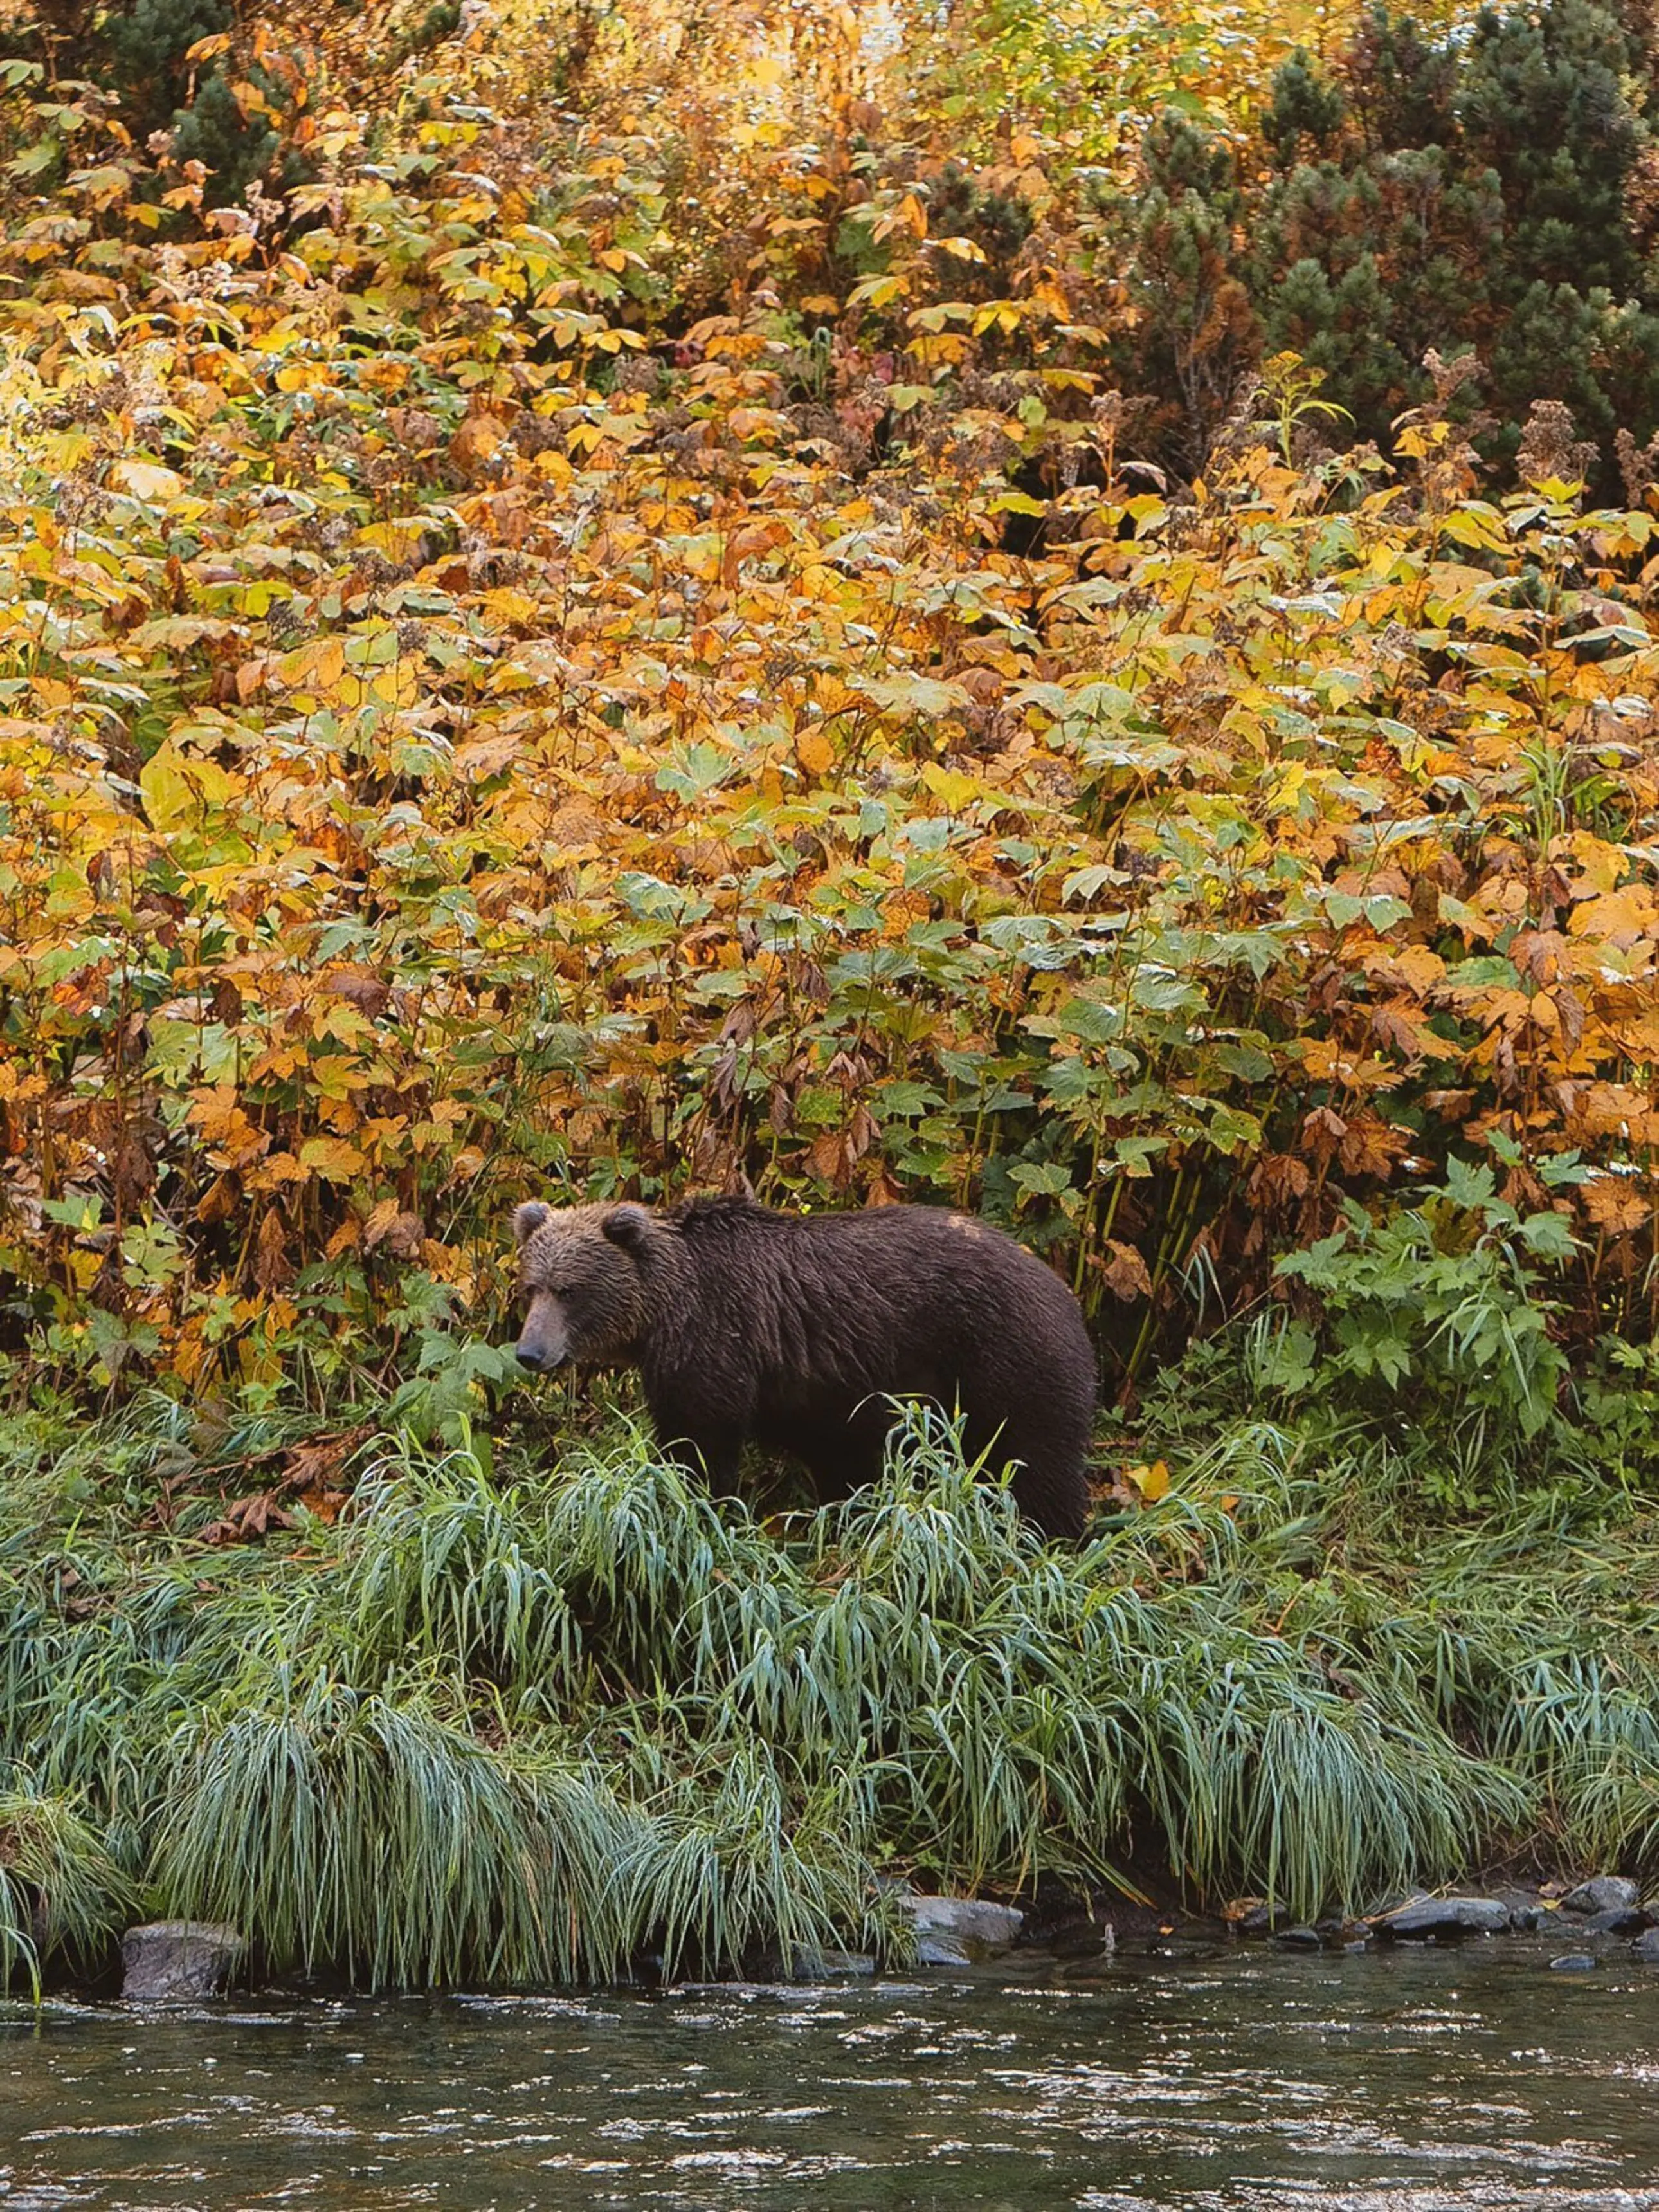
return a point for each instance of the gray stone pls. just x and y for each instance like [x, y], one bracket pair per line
[1573, 1962]
[1628, 1920]
[973, 1919]
[1646, 1948]
[1447, 1916]
[1300, 1939]
[820, 1966]
[178, 1961]
[961, 1931]
[1604, 1893]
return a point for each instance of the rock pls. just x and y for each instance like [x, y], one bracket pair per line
[972, 1919]
[1300, 1939]
[1446, 1916]
[1604, 1893]
[178, 1961]
[1531, 1917]
[961, 1931]
[806, 1965]
[1646, 1948]
[942, 1951]
[1573, 1962]
[1627, 1920]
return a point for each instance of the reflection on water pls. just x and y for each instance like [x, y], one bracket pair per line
[1410, 2081]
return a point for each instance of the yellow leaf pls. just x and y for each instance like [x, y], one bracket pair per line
[380, 1220]
[318, 666]
[815, 752]
[399, 539]
[281, 1167]
[1152, 1482]
[505, 604]
[331, 1158]
[949, 784]
[147, 480]
[1621, 917]
[178, 788]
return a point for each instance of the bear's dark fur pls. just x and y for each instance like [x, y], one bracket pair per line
[793, 1330]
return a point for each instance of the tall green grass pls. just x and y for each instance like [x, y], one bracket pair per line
[536, 1726]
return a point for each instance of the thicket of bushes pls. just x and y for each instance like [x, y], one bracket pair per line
[467, 730]
[464, 734]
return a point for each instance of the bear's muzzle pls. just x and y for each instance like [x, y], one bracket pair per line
[544, 1341]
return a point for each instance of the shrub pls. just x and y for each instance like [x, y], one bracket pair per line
[214, 131]
[1431, 1317]
[1194, 330]
[1472, 191]
[146, 42]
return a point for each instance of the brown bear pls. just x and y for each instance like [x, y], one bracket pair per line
[795, 1330]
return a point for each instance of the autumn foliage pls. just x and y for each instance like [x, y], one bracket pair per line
[578, 639]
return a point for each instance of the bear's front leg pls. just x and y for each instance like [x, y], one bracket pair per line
[710, 1449]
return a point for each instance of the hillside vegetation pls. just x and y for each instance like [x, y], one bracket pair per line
[1042, 606]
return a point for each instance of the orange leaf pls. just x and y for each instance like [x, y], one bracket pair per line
[1125, 1272]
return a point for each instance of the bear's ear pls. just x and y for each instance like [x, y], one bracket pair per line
[628, 1226]
[527, 1218]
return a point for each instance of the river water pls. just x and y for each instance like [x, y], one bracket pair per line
[1404, 2081]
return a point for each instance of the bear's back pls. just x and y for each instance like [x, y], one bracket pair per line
[863, 1294]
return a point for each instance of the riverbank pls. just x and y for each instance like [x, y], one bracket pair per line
[419, 1718]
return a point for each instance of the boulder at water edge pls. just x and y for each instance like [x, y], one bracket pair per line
[1626, 1920]
[1603, 1893]
[960, 1931]
[1446, 1916]
[178, 1961]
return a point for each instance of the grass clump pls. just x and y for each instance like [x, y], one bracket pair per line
[375, 1834]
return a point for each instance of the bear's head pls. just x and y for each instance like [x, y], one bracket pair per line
[581, 1282]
